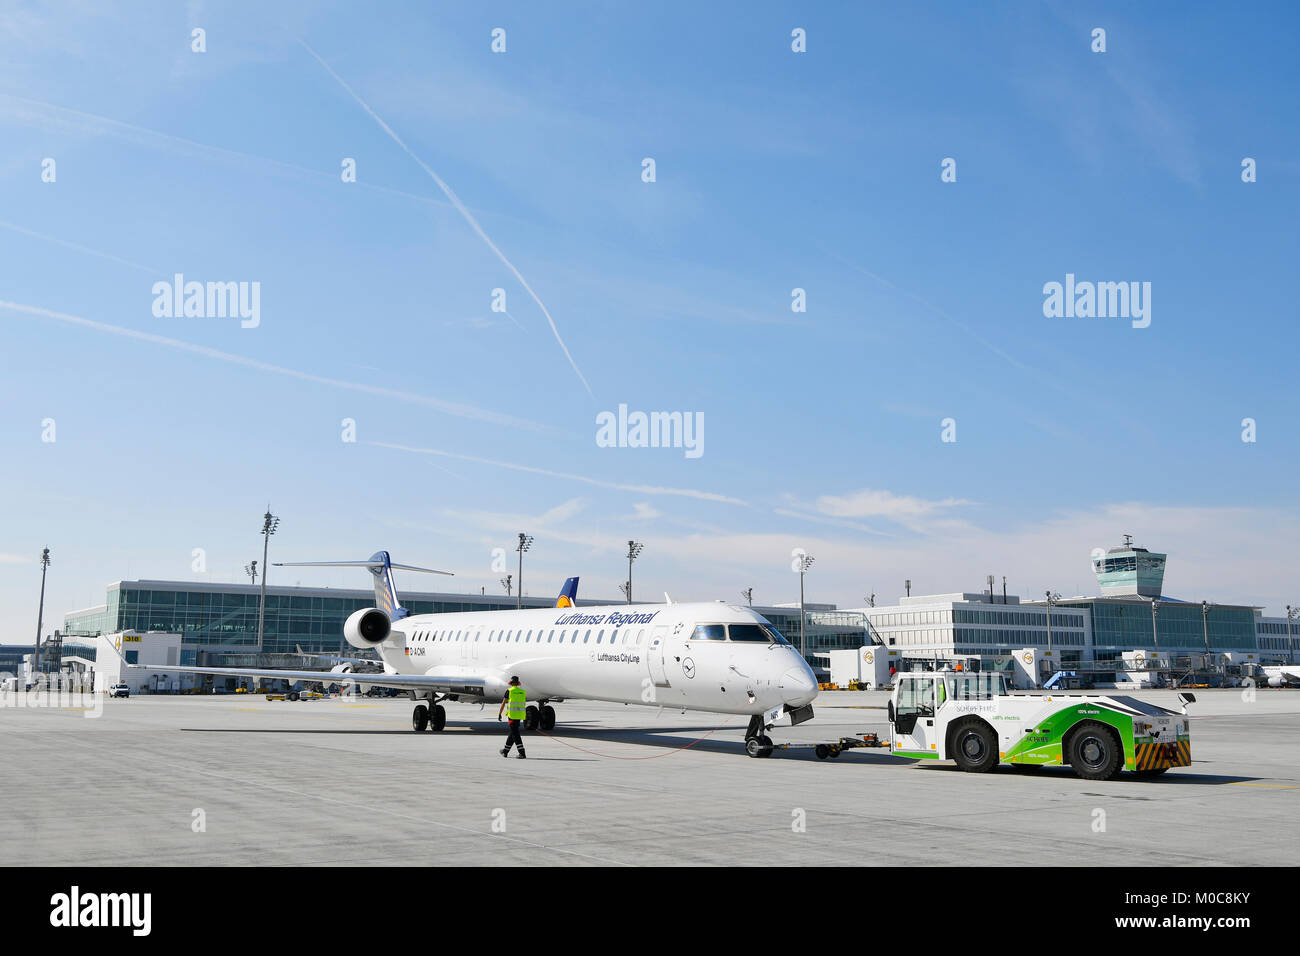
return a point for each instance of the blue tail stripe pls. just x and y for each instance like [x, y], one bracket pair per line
[385, 591]
[568, 596]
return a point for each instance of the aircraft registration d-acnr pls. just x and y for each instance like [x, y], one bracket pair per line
[712, 657]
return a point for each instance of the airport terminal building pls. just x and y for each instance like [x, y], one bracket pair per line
[217, 623]
[1131, 613]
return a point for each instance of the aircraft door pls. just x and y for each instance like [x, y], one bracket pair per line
[654, 655]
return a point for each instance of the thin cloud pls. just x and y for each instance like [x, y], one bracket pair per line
[451, 408]
[640, 489]
[817, 519]
[871, 502]
[460, 207]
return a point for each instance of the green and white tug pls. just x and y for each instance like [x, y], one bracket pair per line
[974, 720]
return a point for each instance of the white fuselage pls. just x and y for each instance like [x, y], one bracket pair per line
[1282, 676]
[634, 654]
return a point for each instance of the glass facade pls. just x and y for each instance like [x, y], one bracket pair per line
[1273, 636]
[224, 617]
[1127, 625]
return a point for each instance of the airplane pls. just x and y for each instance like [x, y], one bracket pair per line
[712, 657]
[1282, 676]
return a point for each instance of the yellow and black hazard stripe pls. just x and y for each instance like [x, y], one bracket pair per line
[1153, 756]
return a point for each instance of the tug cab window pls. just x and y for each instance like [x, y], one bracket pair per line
[916, 698]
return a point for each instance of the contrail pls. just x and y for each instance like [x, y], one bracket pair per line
[460, 207]
[450, 408]
[80, 248]
[107, 123]
[640, 489]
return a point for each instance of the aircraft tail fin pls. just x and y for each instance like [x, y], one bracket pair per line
[568, 594]
[381, 567]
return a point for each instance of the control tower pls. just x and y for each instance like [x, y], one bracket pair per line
[1129, 571]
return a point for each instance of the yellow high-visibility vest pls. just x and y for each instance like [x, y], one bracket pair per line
[516, 709]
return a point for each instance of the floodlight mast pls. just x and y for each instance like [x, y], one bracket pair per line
[270, 524]
[633, 552]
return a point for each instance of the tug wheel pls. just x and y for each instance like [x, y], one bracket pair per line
[974, 746]
[1095, 751]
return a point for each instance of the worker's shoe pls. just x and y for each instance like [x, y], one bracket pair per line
[505, 751]
[522, 755]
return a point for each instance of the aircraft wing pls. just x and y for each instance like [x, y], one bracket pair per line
[337, 660]
[449, 684]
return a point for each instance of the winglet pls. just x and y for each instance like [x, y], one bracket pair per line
[568, 594]
[667, 599]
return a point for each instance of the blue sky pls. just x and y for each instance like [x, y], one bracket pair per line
[774, 171]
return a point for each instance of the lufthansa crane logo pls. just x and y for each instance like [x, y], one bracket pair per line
[688, 667]
[1028, 658]
[867, 656]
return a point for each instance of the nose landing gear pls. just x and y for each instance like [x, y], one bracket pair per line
[757, 743]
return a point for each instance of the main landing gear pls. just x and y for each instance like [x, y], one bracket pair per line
[542, 718]
[431, 716]
[757, 743]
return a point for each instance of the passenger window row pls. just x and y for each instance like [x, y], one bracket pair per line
[526, 637]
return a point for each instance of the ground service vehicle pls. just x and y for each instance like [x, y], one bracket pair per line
[972, 719]
[119, 690]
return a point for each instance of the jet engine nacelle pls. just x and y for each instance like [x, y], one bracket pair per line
[367, 627]
[1276, 681]
[341, 669]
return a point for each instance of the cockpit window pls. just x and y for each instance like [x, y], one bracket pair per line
[749, 632]
[776, 635]
[710, 632]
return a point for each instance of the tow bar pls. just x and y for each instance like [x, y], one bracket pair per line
[834, 750]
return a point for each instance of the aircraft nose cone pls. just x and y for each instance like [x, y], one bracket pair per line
[798, 686]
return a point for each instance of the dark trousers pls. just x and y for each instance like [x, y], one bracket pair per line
[514, 737]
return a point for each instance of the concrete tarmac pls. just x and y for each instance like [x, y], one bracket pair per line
[242, 780]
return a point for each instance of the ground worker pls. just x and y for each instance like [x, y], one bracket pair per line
[517, 702]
